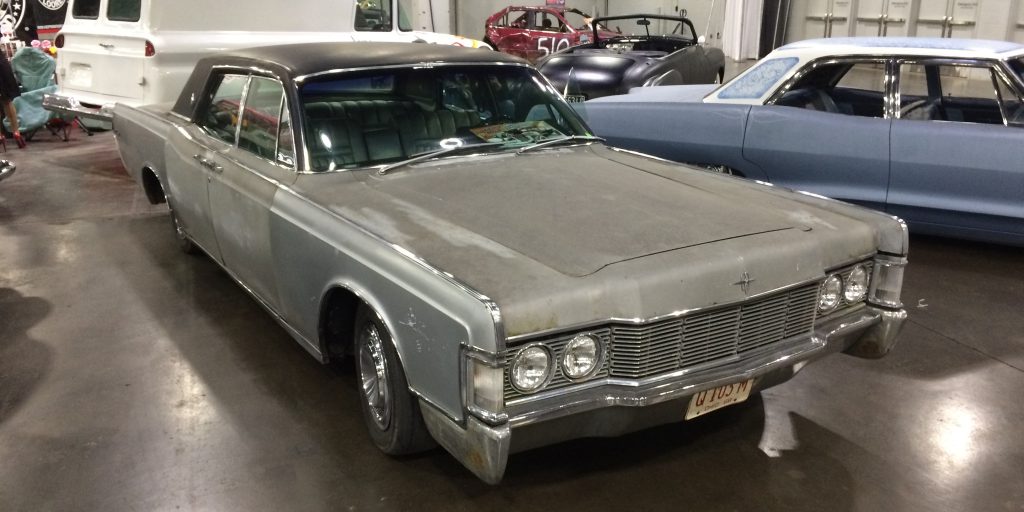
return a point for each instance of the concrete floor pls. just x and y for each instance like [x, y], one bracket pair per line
[133, 377]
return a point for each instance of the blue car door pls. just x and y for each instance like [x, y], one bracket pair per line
[828, 134]
[956, 166]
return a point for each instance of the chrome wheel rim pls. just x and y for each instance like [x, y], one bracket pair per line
[373, 373]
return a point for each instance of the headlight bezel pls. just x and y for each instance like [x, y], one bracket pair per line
[599, 352]
[548, 374]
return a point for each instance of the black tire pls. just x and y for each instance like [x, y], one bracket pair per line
[392, 415]
[184, 243]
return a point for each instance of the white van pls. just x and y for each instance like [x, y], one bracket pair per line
[140, 52]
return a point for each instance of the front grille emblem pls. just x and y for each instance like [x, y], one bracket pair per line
[744, 283]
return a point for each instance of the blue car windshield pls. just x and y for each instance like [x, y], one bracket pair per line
[370, 118]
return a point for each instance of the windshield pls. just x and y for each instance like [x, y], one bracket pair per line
[643, 26]
[361, 119]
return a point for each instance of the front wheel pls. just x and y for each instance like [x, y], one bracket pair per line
[391, 412]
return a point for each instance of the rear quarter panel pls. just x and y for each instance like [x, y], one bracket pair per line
[141, 134]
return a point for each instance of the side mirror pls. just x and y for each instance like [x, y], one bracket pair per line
[702, 40]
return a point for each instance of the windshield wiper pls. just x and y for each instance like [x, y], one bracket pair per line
[555, 142]
[437, 154]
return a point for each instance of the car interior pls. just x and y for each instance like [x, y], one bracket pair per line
[375, 120]
[930, 92]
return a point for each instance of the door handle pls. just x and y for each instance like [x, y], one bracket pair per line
[209, 164]
[107, 46]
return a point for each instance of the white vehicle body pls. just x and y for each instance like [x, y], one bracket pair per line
[103, 61]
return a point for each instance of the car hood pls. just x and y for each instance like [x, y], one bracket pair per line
[592, 232]
[595, 73]
[665, 93]
[571, 210]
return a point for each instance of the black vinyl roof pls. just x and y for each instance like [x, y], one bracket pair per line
[307, 58]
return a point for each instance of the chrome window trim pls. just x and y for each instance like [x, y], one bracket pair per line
[303, 78]
[206, 104]
[995, 67]
[887, 95]
[584, 326]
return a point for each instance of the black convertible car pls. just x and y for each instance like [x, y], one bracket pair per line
[648, 49]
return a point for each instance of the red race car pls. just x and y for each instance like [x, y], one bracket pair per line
[535, 31]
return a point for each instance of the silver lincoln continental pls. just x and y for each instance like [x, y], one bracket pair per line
[502, 279]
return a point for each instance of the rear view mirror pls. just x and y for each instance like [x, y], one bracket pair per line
[643, 23]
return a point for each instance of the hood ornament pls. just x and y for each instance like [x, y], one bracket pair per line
[744, 283]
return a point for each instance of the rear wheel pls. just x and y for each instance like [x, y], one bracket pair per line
[184, 242]
[390, 411]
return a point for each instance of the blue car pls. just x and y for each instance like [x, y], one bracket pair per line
[930, 130]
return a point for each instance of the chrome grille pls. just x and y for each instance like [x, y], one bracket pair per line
[717, 335]
[704, 337]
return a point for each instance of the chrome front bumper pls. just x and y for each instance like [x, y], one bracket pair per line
[7, 168]
[69, 106]
[611, 407]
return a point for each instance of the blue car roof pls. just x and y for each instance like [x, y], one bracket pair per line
[934, 43]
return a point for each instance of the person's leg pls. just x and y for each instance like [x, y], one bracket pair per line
[12, 119]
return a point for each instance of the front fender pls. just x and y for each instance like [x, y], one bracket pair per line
[430, 316]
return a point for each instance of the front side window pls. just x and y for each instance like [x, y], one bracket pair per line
[548, 22]
[373, 16]
[851, 88]
[361, 119]
[948, 92]
[261, 118]
[577, 19]
[124, 10]
[220, 116]
[86, 9]
[1017, 65]
[1013, 104]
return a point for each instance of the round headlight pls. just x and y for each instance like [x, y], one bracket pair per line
[530, 368]
[856, 285]
[831, 291]
[581, 357]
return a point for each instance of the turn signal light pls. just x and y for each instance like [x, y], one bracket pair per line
[59, 41]
[150, 49]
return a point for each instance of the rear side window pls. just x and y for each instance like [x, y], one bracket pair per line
[86, 9]
[124, 10]
[220, 116]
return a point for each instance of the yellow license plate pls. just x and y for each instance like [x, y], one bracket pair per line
[714, 399]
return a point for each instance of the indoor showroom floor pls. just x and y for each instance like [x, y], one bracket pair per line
[135, 377]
